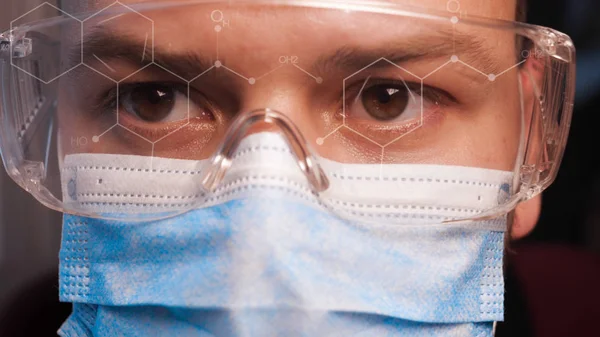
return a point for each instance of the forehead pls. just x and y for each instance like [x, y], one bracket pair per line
[505, 10]
[319, 37]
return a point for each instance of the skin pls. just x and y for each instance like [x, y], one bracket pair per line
[482, 127]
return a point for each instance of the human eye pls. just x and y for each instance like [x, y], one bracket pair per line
[156, 102]
[153, 102]
[393, 103]
[378, 112]
[153, 110]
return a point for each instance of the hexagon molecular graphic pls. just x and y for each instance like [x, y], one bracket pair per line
[49, 51]
[86, 115]
[117, 41]
[358, 87]
[171, 102]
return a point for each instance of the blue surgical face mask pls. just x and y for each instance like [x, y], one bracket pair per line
[266, 257]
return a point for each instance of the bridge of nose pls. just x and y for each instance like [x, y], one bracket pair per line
[285, 133]
[293, 97]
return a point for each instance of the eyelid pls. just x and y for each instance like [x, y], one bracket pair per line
[108, 100]
[177, 86]
[435, 95]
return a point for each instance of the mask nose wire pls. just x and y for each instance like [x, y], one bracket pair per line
[222, 159]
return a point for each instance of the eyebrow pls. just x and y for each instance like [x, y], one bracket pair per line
[106, 46]
[468, 48]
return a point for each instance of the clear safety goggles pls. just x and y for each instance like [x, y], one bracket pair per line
[352, 82]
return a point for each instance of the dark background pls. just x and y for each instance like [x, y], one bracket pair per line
[30, 234]
[571, 206]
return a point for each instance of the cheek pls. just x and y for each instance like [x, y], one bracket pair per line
[505, 126]
[494, 137]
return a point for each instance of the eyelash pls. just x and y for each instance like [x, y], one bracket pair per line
[435, 95]
[110, 98]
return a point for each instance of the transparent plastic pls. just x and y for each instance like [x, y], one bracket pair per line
[382, 84]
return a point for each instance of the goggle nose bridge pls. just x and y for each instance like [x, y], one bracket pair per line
[222, 159]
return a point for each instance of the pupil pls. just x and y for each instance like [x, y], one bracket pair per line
[385, 102]
[384, 96]
[152, 102]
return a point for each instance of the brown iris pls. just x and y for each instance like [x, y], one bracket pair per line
[149, 102]
[385, 102]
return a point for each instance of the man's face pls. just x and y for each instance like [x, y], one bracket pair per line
[361, 88]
